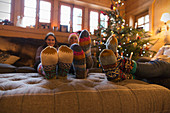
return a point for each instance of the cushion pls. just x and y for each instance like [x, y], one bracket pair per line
[6, 68]
[25, 70]
[11, 59]
[31, 93]
[164, 58]
[144, 59]
[6, 58]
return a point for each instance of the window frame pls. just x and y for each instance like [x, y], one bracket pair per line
[37, 23]
[102, 20]
[95, 10]
[142, 15]
[12, 11]
[50, 11]
[71, 14]
[51, 16]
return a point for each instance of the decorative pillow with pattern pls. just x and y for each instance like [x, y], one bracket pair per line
[6, 58]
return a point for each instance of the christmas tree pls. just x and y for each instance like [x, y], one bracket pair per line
[130, 40]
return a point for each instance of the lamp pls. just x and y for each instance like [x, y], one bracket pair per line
[165, 17]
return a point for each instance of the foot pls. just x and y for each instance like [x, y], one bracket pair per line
[49, 60]
[65, 59]
[111, 66]
[127, 65]
[85, 43]
[112, 44]
[79, 61]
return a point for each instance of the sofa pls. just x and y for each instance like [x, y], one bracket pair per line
[29, 92]
[23, 90]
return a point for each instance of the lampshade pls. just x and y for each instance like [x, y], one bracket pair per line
[165, 17]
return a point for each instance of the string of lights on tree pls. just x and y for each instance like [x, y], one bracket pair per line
[129, 39]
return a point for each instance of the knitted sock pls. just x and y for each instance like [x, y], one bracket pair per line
[65, 59]
[49, 60]
[79, 61]
[127, 65]
[112, 44]
[40, 69]
[110, 65]
[85, 43]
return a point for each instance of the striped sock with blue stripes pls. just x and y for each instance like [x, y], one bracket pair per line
[79, 61]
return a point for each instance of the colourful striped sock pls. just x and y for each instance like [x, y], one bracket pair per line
[127, 65]
[109, 63]
[79, 61]
[112, 44]
[85, 43]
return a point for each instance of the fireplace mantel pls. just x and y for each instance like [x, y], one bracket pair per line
[14, 31]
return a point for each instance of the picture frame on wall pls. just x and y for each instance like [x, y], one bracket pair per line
[63, 28]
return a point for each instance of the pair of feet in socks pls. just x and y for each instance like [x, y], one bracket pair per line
[82, 55]
[53, 61]
[116, 68]
[78, 55]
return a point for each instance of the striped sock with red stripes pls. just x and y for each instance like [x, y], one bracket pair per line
[79, 61]
[85, 43]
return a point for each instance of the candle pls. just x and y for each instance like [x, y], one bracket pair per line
[131, 55]
[121, 54]
[94, 42]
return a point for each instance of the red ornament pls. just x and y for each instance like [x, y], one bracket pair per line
[111, 7]
[146, 48]
[140, 51]
[138, 37]
[103, 12]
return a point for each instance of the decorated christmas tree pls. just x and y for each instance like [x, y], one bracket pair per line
[130, 40]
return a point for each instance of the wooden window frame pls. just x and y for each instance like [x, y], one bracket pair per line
[141, 15]
[98, 11]
[12, 10]
[38, 17]
[37, 23]
[71, 15]
[103, 21]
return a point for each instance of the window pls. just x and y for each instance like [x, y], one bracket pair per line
[65, 15]
[77, 19]
[71, 16]
[93, 21]
[143, 22]
[5, 9]
[35, 11]
[29, 12]
[45, 12]
[103, 20]
[95, 18]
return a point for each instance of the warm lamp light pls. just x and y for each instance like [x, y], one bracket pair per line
[165, 17]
